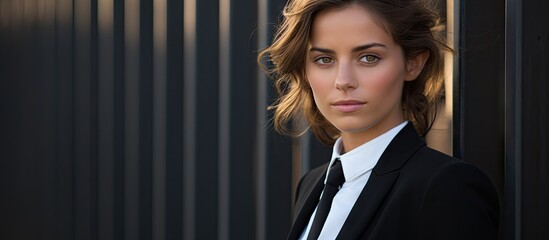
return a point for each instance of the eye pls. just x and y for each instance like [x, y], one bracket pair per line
[324, 60]
[369, 59]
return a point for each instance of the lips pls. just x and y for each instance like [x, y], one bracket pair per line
[348, 106]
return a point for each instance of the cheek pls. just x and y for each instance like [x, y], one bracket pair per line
[385, 84]
[320, 83]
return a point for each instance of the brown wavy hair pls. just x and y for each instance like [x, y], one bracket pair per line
[414, 25]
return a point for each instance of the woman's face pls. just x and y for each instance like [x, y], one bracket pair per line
[356, 72]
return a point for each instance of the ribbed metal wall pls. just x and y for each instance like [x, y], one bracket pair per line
[146, 119]
[140, 119]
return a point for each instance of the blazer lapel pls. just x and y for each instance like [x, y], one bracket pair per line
[381, 181]
[366, 205]
[306, 203]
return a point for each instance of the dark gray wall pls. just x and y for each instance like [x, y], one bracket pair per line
[502, 106]
[530, 67]
[139, 119]
[145, 119]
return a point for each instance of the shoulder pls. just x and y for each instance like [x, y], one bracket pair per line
[436, 164]
[457, 195]
[450, 175]
[455, 177]
[439, 170]
[428, 156]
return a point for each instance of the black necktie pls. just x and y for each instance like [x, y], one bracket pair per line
[333, 183]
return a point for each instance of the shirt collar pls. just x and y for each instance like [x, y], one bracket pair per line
[363, 158]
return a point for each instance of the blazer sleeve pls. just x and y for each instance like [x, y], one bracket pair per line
[459, 202]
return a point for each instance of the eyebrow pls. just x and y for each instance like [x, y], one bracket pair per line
[355, 49]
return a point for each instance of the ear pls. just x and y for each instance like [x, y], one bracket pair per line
[414, 65]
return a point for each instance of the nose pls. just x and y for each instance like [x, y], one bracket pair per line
[345, 79]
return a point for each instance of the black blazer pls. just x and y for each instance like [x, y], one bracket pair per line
[414, 192]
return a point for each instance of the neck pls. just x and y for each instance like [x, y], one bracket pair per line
[352, 140]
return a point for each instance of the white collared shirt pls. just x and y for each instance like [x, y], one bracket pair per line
[357, 167]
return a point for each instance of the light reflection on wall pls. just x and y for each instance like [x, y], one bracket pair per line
[224, 106]
[189, 41]
[440, 137]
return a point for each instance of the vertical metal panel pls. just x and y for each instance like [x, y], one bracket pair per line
[7, 146]
[189, 120]
[119, 114]
[174, 122]
[145, 117]
[513, 125]
[159, 127]
[64, 128]
[206, 118]
[533, 45]
[94, 118]
[224, 114]
[456, 90]
[238, 111]
[273, 152]
[105, 112]
[131, 119]
[45, 25]
[84, 125]
[261, 129]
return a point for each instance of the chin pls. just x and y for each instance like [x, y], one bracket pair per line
[355, 128]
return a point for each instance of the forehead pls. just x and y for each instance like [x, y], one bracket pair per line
[350, 22]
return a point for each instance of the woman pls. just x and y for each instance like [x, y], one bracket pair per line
[365, 75]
